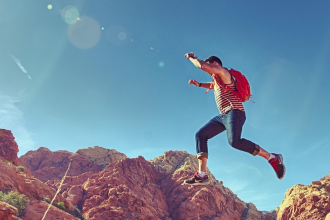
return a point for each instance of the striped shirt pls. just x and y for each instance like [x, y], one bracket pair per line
[226, 100]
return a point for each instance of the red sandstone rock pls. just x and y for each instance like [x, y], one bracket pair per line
[72, 188]
[8, 212]
[188, 202]
[36, 210]
[47, 165]
[33, 159]
[9, 148]
[101, 156]
[138, 189]
[311, 202]
[125, 189]
[13, 180]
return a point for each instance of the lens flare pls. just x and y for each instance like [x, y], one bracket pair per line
[54, 8]
[122, 36]
[116, 34]
[70, 14]
[85, 33]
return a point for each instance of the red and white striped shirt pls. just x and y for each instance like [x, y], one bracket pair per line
[225, 99]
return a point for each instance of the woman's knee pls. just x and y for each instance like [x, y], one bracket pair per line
[235, 143]
[202, 136]
[244, 145]
[199, 136]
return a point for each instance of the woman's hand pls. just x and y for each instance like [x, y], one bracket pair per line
[191, 54]
[194, 82]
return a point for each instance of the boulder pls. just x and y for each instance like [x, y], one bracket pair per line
[8, 212]
[307, 202]
[9, 148]
[37, 209]
[101, 156]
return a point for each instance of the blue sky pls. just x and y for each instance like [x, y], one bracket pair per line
[76, 74]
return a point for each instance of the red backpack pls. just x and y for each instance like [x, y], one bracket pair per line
[243, 92]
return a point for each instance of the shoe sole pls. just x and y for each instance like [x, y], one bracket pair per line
[198, 184]
[281, 162]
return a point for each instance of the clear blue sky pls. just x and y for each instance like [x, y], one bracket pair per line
[75, 74]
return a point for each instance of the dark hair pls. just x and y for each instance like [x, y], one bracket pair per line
[211, 59]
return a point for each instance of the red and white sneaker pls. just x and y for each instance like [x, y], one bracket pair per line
[197, 180]
[278, 166]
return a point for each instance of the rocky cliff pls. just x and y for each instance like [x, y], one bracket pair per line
[8, 212]
[9, 148]
[47, 165]
[105, 184]
[14, 179]
[140, 189]
[307, 202]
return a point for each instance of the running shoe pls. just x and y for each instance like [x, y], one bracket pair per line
[197, 180]
[278, 166]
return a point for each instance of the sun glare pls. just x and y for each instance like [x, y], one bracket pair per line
[70, 14]
[85, 33]
[116, 34]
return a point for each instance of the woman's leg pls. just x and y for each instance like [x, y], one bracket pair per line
[234, 121]
[208, 131]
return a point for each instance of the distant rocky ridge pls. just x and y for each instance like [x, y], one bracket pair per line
[136, 188]
[47, 165]
[105, 184]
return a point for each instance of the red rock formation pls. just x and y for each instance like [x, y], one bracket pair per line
[188, 202]
[101, 156]
[126, 189]
[140, 189]
[72, 188]
[33, 159]
[8, 212]
[12, 179]
[47, 165]
[9, 148]
[311, 202]
[36, 210]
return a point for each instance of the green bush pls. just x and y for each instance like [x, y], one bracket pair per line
[15, 199]
[76, 212]
[20, 168]
[46, 199]
[61, 205]
[8, 163]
